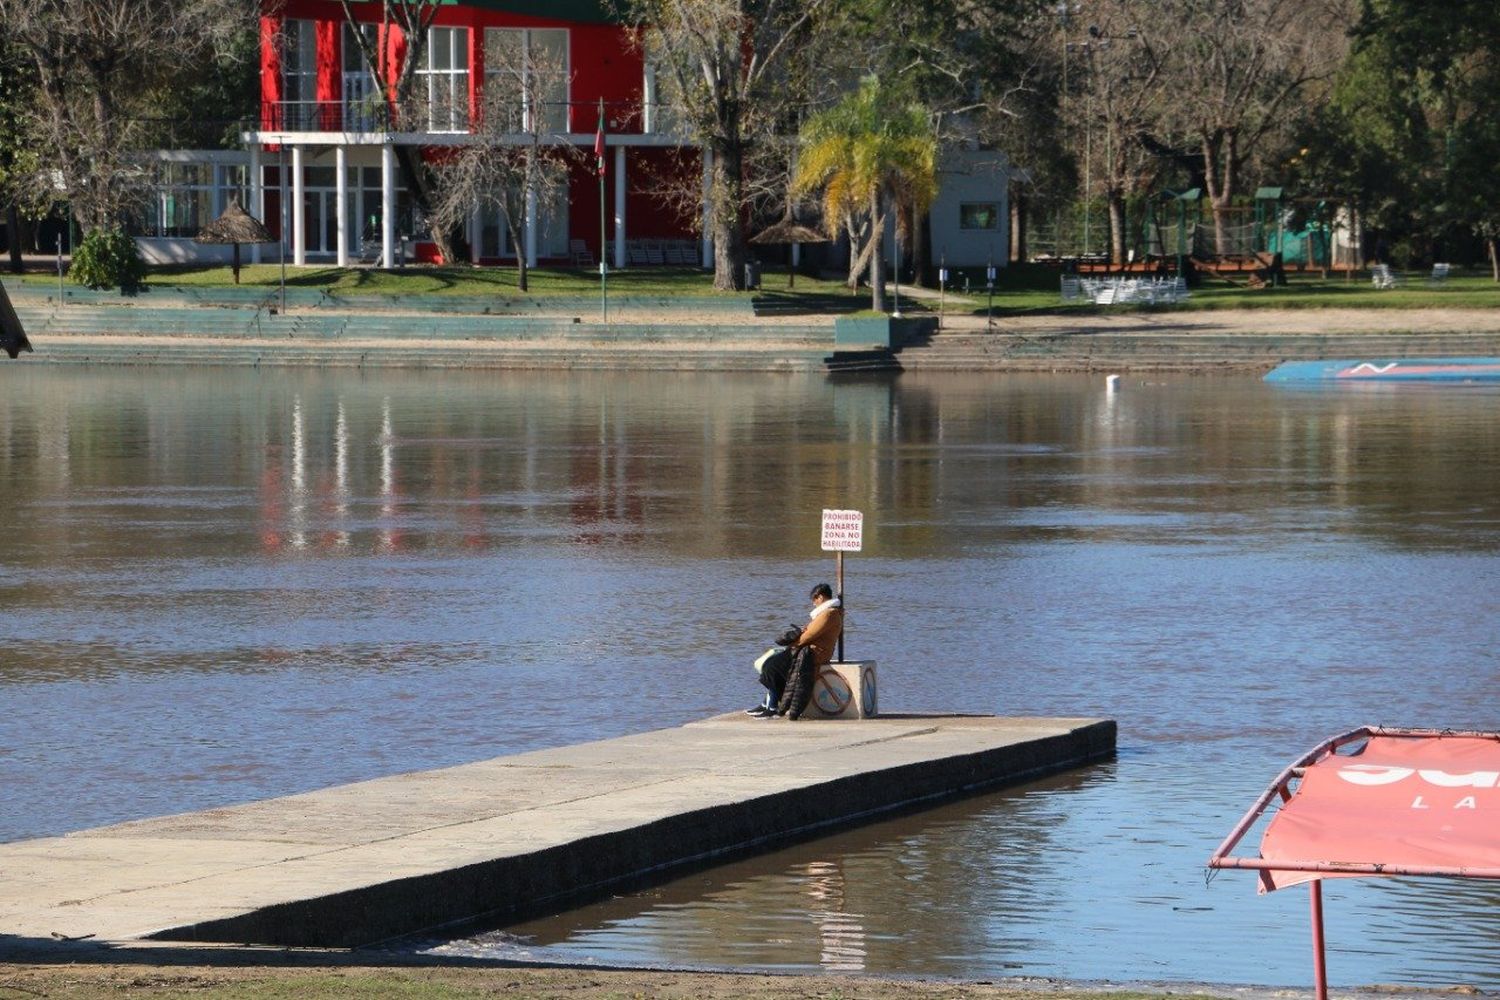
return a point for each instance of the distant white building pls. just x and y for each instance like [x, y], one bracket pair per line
[970, 218]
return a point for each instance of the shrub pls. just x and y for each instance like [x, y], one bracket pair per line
[106, 258]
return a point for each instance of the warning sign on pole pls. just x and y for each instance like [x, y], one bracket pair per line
[843, 530]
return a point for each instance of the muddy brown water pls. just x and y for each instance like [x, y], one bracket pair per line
[222, 585]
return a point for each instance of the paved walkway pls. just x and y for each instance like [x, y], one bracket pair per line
[520, 834]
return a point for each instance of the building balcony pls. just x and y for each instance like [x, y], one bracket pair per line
[433, 120]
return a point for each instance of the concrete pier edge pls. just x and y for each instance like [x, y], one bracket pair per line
[581, 870]
[499, 840]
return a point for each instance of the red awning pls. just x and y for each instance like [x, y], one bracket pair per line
[1406, 802]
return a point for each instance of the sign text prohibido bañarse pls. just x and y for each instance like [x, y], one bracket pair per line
[843, 530]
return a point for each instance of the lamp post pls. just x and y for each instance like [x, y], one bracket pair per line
[281, 179]
[896, 287]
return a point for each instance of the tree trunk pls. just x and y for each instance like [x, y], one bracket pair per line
[450, 244]
[856, 256]
[919, 241]
[1494, 259]
[1218, 196]
[522, 265]
[1116, 203]
[877, 255]
[13, 233]
[728, 234]
[1017, 225]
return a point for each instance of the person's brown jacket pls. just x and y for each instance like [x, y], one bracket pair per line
[822, 634]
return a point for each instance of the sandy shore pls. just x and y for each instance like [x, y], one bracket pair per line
[422, 982]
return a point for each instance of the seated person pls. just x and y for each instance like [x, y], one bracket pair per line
[806, 650]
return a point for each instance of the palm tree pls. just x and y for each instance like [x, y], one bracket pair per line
[872, 154]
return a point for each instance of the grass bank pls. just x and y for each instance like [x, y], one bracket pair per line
[1020, 291]
[1034, 290]
[90, 982]
[469, 281]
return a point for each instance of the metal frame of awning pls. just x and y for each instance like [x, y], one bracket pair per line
[1282, 788]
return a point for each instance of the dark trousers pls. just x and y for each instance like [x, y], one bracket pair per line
[773, 674]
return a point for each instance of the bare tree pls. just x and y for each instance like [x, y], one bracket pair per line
[1122, 81]
[516, 153]
[1240, 70]
[407, 109]
[722, 64]
[96, 62]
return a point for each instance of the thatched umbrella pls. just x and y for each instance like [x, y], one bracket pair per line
[234, 227]
[788, 230]
[12, 338]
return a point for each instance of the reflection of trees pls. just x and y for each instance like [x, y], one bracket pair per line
[720, 465]
[1392, 461]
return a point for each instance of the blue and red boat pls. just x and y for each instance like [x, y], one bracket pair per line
[1389, 370]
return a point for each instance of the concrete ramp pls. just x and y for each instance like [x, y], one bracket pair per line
[509, 837]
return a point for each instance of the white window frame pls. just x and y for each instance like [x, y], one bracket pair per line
[359, 90]
[528, 86]
[297, 77]
[446, 112]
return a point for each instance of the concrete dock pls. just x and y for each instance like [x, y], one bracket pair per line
[509, 837]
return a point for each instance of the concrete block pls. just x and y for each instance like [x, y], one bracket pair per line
[844, 691]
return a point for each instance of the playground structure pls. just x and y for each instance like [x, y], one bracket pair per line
[1172, 229]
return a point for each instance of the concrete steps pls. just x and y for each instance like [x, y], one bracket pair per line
[540, 355]
[738, 306]
[1166, 351]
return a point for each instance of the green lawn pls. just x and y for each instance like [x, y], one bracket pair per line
[476, 281]
[1020, 290]
[1034, 290]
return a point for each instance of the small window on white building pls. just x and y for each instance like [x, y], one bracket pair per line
[443, 80]
[526, 78]
[299, 74]
[185, 196]
[979, 215]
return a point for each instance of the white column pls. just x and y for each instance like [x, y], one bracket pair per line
[387, 205]
[619, 207]
[648, 100]
[708, 186]
[257, 206]
[341, 213]
[531, 214]
[299, 211]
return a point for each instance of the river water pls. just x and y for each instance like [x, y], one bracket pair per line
[222, 585]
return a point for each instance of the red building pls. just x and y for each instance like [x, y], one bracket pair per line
[324, 158]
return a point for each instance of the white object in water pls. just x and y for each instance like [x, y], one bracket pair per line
[1111, 382]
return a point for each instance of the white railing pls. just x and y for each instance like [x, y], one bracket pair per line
[1118, 291]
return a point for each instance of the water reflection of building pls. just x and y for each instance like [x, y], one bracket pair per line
[739, 465]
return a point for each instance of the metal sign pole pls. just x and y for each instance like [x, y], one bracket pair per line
[942, 286]
[1320, 967]
[989, 277]
[840, 595]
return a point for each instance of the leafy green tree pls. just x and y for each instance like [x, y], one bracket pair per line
[723, 66]
[1413, 127]
[873, 151]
